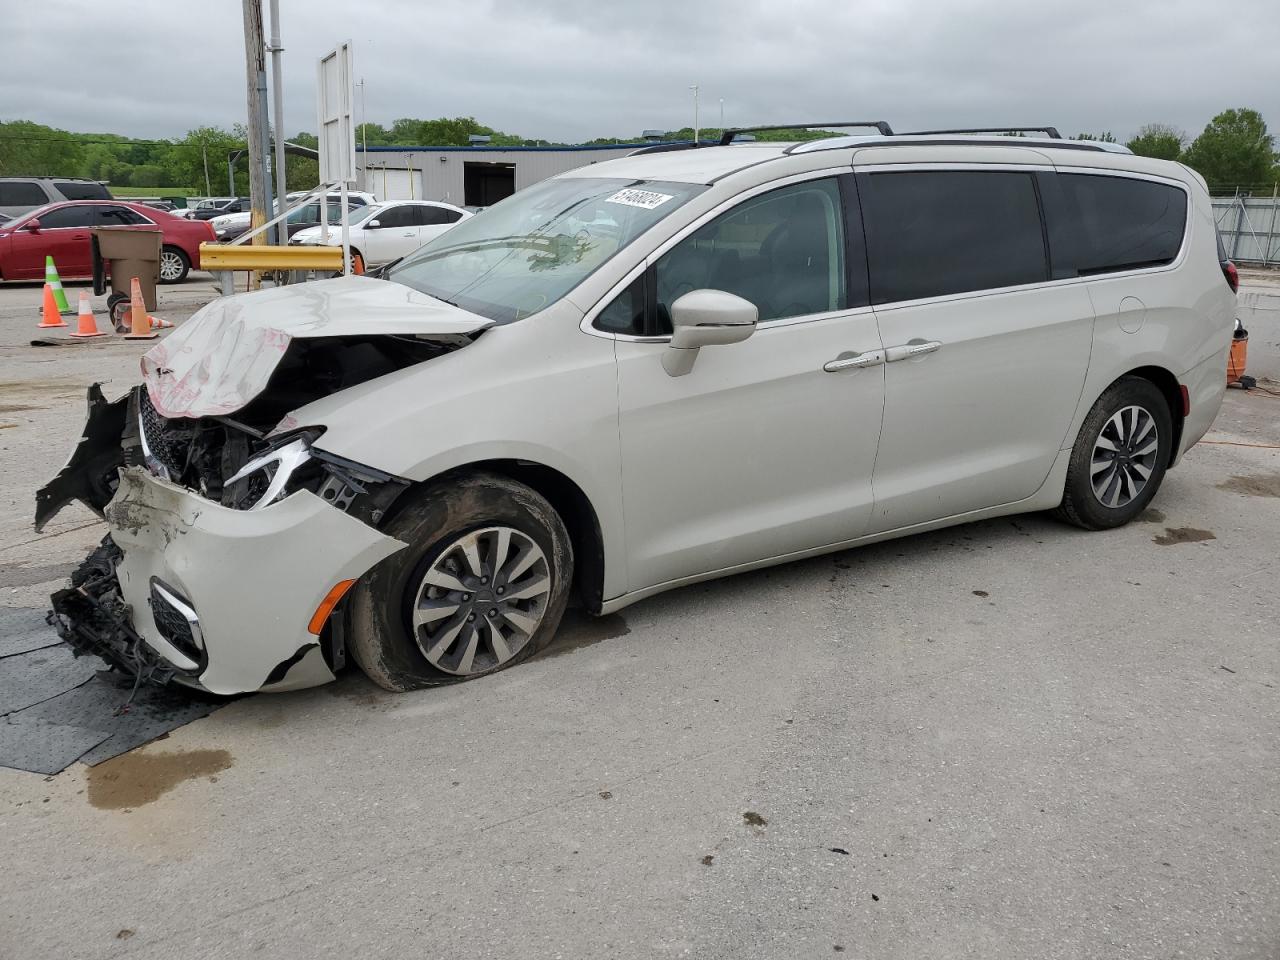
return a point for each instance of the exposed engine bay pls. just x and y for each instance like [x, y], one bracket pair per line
[243, 462]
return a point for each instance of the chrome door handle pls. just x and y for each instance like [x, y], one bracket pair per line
[916, 348]
[853, 361]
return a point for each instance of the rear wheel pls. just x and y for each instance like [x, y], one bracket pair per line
[174, 265]
[1120, 456]
[482, 586]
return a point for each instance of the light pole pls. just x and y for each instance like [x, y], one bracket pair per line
[694, 88]
[722, 114]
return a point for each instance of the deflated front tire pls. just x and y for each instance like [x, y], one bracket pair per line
[482, 586]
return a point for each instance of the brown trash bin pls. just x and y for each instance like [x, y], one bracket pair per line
[128, 253]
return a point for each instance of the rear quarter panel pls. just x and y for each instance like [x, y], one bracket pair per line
[1177, 317]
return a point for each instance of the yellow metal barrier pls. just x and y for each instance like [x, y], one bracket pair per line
[215, 257]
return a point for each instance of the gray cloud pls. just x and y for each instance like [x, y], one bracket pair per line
[578, 69]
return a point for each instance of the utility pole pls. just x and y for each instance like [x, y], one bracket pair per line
[256, 99]
[722, 114]
[277, 107]
[694, 88]
[204, 152]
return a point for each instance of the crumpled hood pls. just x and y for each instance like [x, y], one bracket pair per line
[220, 359]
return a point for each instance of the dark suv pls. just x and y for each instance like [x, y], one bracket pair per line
[19, 195]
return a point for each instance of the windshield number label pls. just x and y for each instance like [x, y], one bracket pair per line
[645, 199]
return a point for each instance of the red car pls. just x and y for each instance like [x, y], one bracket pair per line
[61, 230]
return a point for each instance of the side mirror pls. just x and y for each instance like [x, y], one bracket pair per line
[706, 318]
[373, 225]
[32, 225]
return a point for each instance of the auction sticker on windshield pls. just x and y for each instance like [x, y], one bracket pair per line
[646, 199]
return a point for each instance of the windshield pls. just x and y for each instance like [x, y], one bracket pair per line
[528, 251]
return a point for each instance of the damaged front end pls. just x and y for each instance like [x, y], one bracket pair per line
[229, 534]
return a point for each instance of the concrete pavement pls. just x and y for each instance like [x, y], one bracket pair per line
[1010, 739]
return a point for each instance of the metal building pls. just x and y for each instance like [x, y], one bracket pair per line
[476, 176]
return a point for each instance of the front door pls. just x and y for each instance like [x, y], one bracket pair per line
[64, 235]
[761, 450]
[986, 357]
[395, 235]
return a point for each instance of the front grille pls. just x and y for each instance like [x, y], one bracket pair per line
[168, 451]
[180, 627]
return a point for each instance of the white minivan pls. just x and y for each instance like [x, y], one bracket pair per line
[637, 375]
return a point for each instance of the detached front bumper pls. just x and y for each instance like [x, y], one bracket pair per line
[223, 597]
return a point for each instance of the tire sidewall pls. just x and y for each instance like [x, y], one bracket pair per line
[1130, 391]
[381, 639]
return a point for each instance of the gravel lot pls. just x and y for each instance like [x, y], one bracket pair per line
[1010, 739]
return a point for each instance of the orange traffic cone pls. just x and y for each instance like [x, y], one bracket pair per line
[139, 323]
[88, 326]
[357, 264]
[51, 317]
[159, 323]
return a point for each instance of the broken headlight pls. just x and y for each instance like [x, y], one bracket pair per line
[270, 475]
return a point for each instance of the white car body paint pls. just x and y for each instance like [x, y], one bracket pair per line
[205, 551]
[756, 457]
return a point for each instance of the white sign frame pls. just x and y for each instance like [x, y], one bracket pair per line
[335, 98]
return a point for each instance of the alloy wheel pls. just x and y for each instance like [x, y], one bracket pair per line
[1124, 456]
[170, 265]
[481, 600]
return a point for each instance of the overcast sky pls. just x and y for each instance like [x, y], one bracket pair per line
[578, 69]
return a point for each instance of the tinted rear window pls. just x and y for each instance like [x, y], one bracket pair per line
[934, 233]
[74, 190]
[21, 193]
[1125, 223]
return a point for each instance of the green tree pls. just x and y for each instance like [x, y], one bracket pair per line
[1105, 137]
[1235, 151]
[32, 149]
[1158, 140]
[189, 155]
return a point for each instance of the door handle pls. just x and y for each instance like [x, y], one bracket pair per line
[854, 361]
[915, 348]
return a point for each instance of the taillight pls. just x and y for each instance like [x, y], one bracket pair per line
[1232, 274]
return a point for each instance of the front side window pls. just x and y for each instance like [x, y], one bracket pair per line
[403, 216]
[69, 216]
[1125, 224]
[526, 252]
[625, 313]
[931, 233]
[782, 250]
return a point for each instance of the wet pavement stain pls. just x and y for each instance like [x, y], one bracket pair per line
[1151, 515]
[135, 779]
[580, 629]
[1173, 535]
[1258, 485]
[17, 575]
[753, 819]
[708, 860]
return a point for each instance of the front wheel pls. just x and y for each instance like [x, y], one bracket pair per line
[174, 265]
[1120, 456]
[481, 587]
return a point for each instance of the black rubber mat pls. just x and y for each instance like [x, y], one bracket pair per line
[56, 709]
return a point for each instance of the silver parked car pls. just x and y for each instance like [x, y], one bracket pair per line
[641, 374]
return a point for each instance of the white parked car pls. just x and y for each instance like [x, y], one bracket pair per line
[641, 374]
[382, 232]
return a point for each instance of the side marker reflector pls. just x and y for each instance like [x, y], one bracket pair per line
[331, 599]
[1186, 399]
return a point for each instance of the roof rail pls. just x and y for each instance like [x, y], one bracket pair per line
[1051, 132]
[727, 136]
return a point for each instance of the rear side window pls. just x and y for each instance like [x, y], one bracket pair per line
[21, 193]
[1124, 223]
[934, 233]
[119, 217]
[78, 190]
